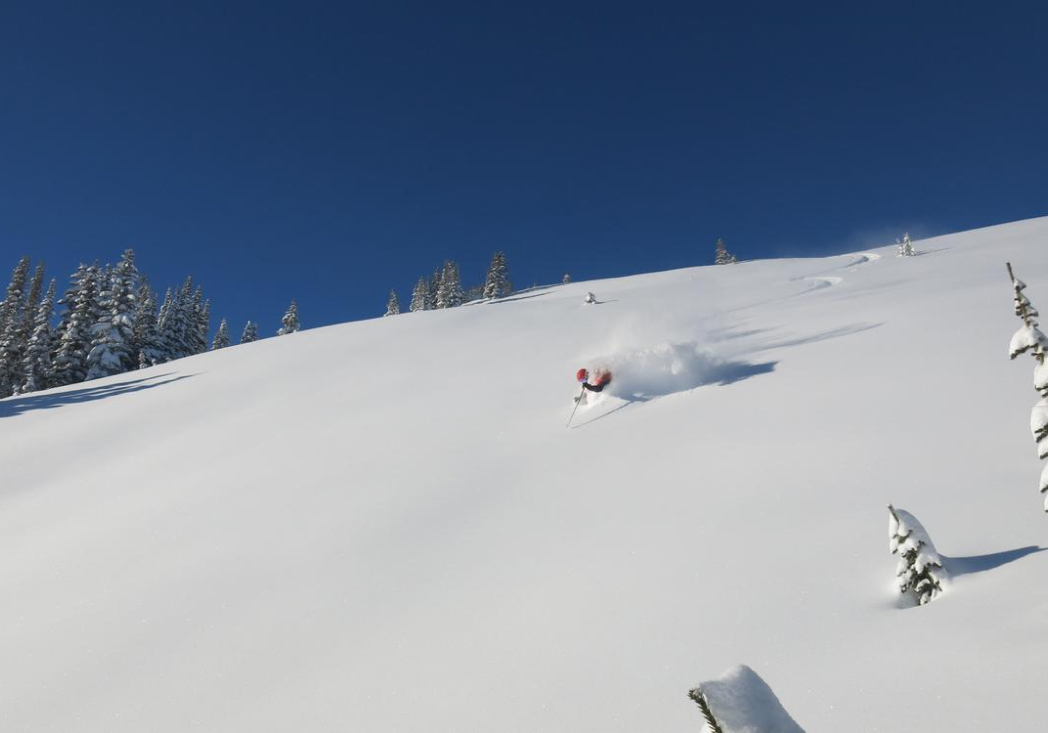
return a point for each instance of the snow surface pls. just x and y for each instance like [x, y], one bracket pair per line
[741, 702]
[386, 526]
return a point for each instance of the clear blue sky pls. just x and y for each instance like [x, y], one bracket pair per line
[329, 151]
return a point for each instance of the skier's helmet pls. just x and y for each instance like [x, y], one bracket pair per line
[582, 375]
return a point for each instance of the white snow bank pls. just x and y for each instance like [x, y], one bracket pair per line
[668, 368]
[742, 702]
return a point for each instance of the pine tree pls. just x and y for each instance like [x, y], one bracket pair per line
[419, 296]
[920, 572]
[567, 278]
[393, 305]
[905, 247]
[112, 335]
[497, 284]
[147, 348]
[449, 292]
[12, 330]
[221, 336]
[432, 288]
[37, 366]
[32, 302]
[290, 323]
[250, 333]
[723, 257]
[1030, 339]
[179, 323]
[202, 323]
[70, 361]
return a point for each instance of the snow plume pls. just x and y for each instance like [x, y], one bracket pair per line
[668, 368]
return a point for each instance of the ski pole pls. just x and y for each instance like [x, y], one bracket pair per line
[577, 403]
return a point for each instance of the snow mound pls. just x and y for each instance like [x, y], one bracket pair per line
[742, 702]
[668, 368]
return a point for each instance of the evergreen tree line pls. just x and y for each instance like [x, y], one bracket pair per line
[110, 323]
[443, 289]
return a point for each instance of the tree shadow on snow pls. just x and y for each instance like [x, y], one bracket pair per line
[981, 563]
[40, 401]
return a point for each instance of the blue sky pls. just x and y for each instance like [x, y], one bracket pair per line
[329, 151]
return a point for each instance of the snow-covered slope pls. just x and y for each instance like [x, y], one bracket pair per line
[386, 525]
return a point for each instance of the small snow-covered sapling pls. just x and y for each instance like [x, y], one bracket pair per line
[1030, 339]
[919, 573]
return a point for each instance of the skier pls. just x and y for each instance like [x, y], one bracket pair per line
[601, 379]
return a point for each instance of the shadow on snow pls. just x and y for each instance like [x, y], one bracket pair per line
[981, 563]
[17, 405]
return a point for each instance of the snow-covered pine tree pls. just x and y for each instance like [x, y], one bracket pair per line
[112, 335]
[221, 336]
[32, 302]
[250, 333]
[165, 310]
[723, 257]
[147, 348]
[905, 246]
[920, 573]
[203, 325]
[178, 323]
[393, 304]
[12, 330]
[419, 296]
[432, 288]
[449, 292]
[567, 278]
[1030, 339]
[289, 323]
[497, 284]
[70, 359]
[37, 367]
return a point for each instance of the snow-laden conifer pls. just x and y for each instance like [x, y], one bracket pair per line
[221, 336]
[449, 290]
[180, 324]
[419, 296]
[203, 324]
[905, 246]
[1030, 339]
[37, 367]
[722, 256]
[147, 347]
[393, 304]
[112, 334]
[497, 284]
[290, 323]
[250, 333]
[12, 330]
[567, 278]
[432, 289]
[70, 360]
[919, 573]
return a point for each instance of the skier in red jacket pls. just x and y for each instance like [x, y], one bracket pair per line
[601, 379]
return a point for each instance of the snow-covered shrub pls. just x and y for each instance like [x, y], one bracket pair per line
[1030, 339]
[920, 572]
[739, 701]
[289, 323]
[723, 257]
[905, 246]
